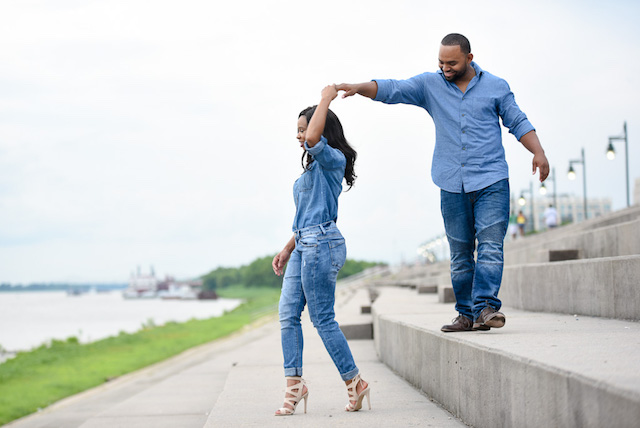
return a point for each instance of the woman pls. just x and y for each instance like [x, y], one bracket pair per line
[315, 253]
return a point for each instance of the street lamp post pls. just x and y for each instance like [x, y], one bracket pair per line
[572, 176]
[611, 154]
[543, 187]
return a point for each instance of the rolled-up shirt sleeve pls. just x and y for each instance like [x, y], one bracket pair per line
[325, 155]
[512, 117]
[409, 91]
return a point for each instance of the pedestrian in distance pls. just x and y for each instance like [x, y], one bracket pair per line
[315, 253]
[522, 222]
[551, 217]
[469, 166]
[513, 225]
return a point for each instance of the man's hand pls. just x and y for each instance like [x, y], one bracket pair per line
[531, 142]
[348, 88]
[367, 89]
[540, 161]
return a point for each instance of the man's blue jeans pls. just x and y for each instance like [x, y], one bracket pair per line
[481, 215]
[310, 278]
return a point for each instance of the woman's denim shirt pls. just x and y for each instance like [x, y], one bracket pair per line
[316, 191]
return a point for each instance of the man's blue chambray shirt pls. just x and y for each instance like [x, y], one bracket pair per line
[468, 154]
[316, 191]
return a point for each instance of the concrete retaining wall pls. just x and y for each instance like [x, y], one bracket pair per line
[486, 388]
[621, 239]
[605, 287]
[611, 219]
[540, 370]
[546, 367]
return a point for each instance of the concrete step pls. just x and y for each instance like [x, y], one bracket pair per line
[407, 273]
[446, 294]
[539, 370]
[616, 234]
[604, 287]
[395, 282]
[610, 219]
[354, 323]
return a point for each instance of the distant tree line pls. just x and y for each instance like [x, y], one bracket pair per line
[259, 273]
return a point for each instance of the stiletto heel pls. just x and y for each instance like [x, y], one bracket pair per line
[357, 398]
[296, 397]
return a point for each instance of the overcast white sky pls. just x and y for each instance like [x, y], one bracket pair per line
[163, 132]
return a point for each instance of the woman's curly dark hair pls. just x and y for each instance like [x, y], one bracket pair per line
[334, 134]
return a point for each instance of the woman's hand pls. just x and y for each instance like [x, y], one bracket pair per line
[282, 257]
[329, 92]
[319, 118]
[279, 261]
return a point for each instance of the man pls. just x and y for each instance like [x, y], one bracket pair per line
[469, 166]
[551, 217]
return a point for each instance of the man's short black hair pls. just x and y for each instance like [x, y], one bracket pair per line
[455, 39]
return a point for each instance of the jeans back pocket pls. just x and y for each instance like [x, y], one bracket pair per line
[338, 251]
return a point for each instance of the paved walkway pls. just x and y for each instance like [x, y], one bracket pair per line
[238, 382]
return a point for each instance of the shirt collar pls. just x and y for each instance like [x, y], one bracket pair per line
[475, 66]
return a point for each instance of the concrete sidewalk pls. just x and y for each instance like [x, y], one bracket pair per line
[255, 387]
[238, 382]
[178, 392]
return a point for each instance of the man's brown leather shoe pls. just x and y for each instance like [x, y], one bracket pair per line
[481, 327]
[461, 323]
[489, 317]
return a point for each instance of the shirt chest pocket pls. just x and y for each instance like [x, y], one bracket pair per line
[305, 182]
[484, 108]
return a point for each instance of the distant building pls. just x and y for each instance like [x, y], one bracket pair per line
[148, 286]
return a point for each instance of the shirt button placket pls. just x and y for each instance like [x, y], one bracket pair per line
[463, 133]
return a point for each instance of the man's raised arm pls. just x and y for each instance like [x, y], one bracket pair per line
[366, 89]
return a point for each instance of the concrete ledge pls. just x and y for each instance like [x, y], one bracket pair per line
[357, 331]
[608, 240]
[446, 294]
[563, 255]
[539, 370]
[355, 323]
[606, 287]
[392, 282]
[425, 289]
[611, 219]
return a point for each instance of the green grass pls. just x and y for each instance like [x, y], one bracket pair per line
[40, 377]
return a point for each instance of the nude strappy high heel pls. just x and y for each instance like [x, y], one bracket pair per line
[354, 396]
[295, 397]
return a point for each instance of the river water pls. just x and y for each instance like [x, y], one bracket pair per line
[29, 319]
